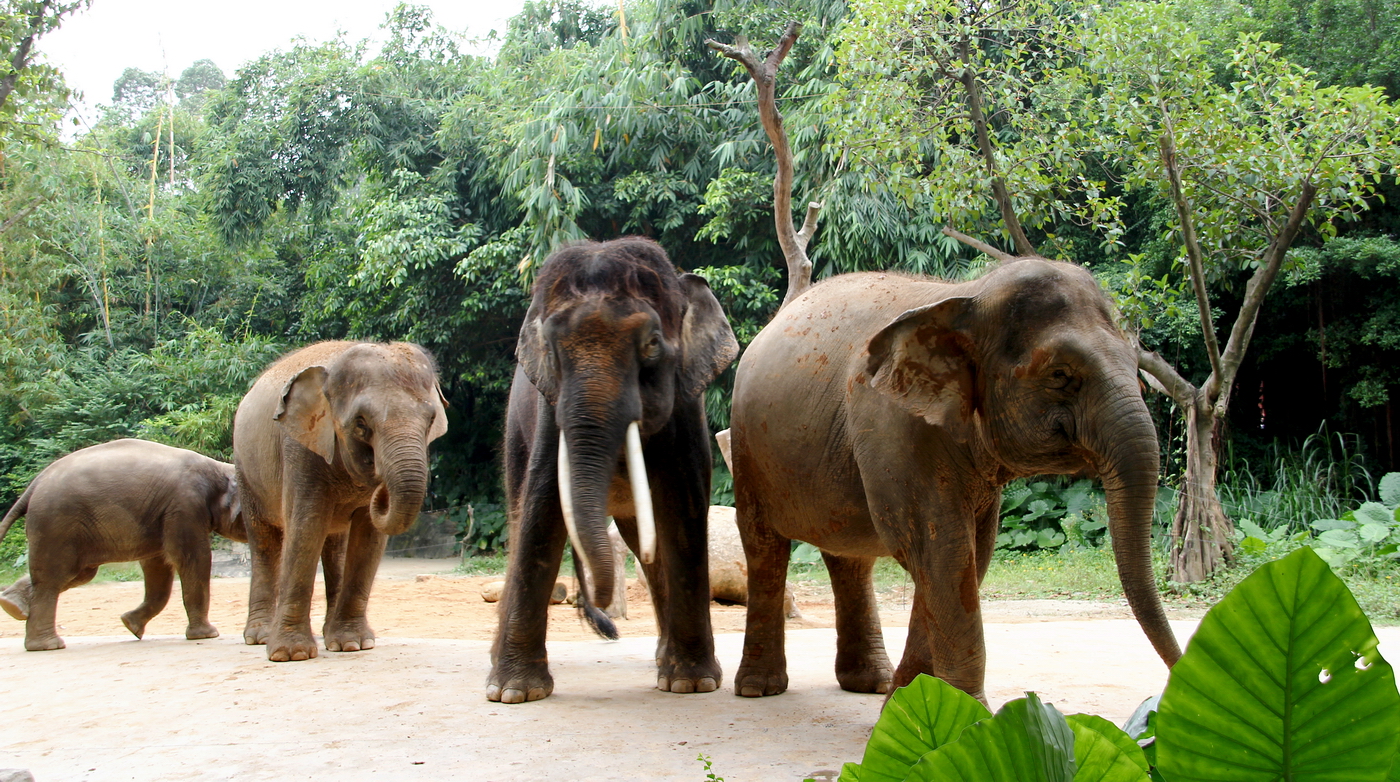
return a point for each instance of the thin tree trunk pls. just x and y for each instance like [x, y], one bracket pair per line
[20, 61]
[764, 73]
[1201, 530]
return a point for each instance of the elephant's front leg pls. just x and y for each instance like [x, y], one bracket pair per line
[346, 628]
[519, 663]
[681, 489]
[16, 597]
[945, 624]
[265, 557]
[304, 537]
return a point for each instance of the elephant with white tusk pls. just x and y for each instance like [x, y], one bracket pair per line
[606, 417]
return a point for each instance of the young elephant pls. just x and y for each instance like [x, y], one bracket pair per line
[118, 502]
[331, 441]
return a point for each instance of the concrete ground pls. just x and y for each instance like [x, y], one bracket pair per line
[114, 708]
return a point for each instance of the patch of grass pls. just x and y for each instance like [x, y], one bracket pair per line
[1080, 573]
[483, 565]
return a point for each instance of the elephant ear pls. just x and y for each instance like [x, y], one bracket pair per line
[925, 363]
[708, 345]
[439, 425]
[532, 350]
[305, 412]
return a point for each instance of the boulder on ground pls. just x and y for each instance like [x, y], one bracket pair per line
[491, 593]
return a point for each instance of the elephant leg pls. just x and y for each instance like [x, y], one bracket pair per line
[862, 664]
[160, 578]
[654, 578]
[333, 567]
[16, 598]
[41, 628]
[519, 663]
[195, 563]
[304, 538]
[681, 496]
[945, 625]
[763, 667]
[346, 628]
[265, 557]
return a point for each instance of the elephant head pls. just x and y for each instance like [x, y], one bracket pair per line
[225, 508]
[613, 339]
[372, 411]
[1027, 367]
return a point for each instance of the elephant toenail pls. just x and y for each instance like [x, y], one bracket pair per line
[706, 684]
[493, 693]
[512, 696]
[683, 685]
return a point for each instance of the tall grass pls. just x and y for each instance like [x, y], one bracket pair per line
[1320, 479]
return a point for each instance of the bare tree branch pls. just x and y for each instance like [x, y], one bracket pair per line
[984, 143]
[978, 245]
[1193, 254]
[1258, 286]
[764, 75]
[1168, 380]
[20, 215]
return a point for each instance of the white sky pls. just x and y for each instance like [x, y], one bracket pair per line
[93, 47]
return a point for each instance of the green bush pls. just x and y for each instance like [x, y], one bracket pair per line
[1048, 514]
[1282, 681]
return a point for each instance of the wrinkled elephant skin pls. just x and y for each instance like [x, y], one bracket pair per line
[123, 501]
[605, 410]
[331, 447]
[880, 415]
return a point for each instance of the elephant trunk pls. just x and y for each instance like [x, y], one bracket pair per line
[1128, 464]
[402, 462]
[587, 458]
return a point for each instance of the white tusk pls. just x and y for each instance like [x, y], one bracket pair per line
[566, 503]
[641, 494]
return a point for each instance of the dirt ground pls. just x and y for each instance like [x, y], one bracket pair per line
[111, 707]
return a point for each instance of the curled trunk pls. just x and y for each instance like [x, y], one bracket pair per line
[403, 464]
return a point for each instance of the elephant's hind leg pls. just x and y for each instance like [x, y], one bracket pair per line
[763, 668]
[41, 628]
[265, 555]
[16, 597]
[862, 665]
[160, 578]
[347, 628]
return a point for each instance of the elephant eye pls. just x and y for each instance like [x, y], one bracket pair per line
[1059, 378]
[651, 349]
[362, 430]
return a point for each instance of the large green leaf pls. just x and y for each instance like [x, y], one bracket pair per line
[1103, 752]
[920, 717]
[1390, 489]
[1283, 681]
[1027, 741]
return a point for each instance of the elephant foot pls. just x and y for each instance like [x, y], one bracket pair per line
[255, 633]
[135, 624]
[527, 683]
[291, 646]
[878, 680]
[202, 630]
[350, 636]
[43, 643]
[13, 606]
[689, 677]
[757, 681]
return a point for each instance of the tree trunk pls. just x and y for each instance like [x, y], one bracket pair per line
[1201, 532]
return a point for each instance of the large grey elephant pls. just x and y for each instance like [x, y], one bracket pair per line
[881, 414]
[123, 501]
[606, 417]
[331, 440]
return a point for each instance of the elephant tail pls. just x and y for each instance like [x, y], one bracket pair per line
[591, 615]
[20, 508]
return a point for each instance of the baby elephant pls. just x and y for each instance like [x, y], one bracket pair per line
[118, 502]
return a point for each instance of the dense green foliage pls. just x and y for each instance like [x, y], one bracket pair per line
[1283, 680]
[152, 265]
